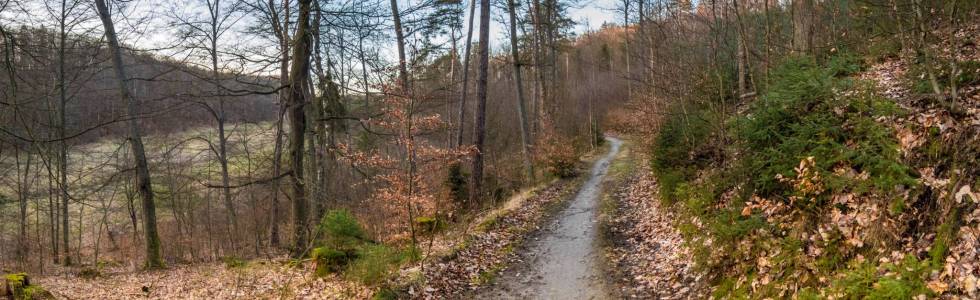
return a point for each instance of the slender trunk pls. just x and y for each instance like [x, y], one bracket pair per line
[452, 83]
[63, 149]
[23, 190]
[923, 50]
[153, 258]
[400, 37]
[626, 40]
[282, 30]
[321, 166]
[466, 75]
[519, 90]
[232, 218]
[479, 124]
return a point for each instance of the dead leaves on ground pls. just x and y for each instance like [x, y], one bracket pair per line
[259, 279]
[647, 251]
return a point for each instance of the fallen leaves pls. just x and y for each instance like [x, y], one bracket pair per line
[647, 252]
[259, 279]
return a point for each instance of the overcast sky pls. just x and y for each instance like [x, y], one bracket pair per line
[146, 23]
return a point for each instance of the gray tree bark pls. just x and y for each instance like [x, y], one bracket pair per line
[519, 90]
[479, 124]
[152, 238]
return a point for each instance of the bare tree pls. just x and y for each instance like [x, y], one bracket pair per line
[152, 239]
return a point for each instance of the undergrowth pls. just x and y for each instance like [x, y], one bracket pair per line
[813, 134]
[344, 248]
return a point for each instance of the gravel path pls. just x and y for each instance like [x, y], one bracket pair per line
[563, 261]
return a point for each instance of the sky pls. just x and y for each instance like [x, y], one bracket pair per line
[146, 27]
[588, 14]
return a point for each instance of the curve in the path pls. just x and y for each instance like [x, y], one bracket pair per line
[563, 261]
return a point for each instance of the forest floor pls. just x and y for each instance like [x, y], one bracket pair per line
[263, 279]
[645, 254]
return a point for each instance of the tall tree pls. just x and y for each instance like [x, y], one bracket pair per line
[802, 25]
[519, 90]
[400, 38]
[298, 78]
[479, 123]
[152, 239]
[205, 34]
[466, 75]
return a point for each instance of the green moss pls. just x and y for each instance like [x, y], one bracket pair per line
[945, 234]
[16, 279]
[329, 260]
[429, 225]
[486, 276]
[22, 288]
[232, 262]
[34, 292]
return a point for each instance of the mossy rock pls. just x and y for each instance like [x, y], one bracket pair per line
[329, 260]
[18, 286]
[428, 225]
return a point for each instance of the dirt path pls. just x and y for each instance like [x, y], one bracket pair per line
[563, 261]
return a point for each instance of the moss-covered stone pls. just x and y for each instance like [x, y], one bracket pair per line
[18, 286]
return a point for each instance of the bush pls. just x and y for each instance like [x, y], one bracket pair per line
[679, 149]
[89, 272]
[560, 160]
[456, 183]
[339, 229]
[804, 116]
[901, 280]
[341, 238]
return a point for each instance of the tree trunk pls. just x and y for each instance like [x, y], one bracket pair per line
[626, 41]
[297, 121]
[62, 123]
[466, 76]
[802, 26]
[519, 89]
[153, 258]
[400, 37]
[282, 32]
[479, 123]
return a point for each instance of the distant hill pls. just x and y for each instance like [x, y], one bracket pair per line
[173, 95]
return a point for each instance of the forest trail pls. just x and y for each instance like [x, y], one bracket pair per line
[563, 261]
